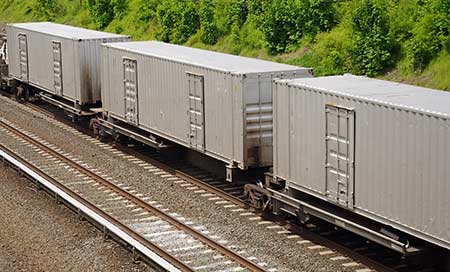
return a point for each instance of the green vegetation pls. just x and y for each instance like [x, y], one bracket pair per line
[401, 40]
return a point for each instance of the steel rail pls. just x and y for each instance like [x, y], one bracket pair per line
[146, 206]
[289, 225]
[296, 228]
[197, 182]
[235, 200]
[61, 190]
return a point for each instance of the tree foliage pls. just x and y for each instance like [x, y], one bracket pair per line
[373, 44]
[47, 9]
[104, 11]
[178, 20]
[431, 34]
[210, 32]
[360, 36]
[285, 22]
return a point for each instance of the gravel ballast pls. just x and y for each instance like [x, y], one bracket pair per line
[268, 243]
[39, 235]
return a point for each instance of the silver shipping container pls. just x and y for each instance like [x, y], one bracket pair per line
[377, 148]
[211, 102]
[59, 59]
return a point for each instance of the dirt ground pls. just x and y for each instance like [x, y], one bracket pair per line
[36, 234]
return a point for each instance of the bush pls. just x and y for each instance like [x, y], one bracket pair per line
[210, 32]
[373, 45]
[46, 9]
[178, 20]
[332, 52]
[119, 7]
[285, 22]
[430, 34]
[147, 9]
[279, 25]
[104, 11]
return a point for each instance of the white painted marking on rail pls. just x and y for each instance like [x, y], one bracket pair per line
[199, 191]
[185, 184]
[214, 198]
[192, 188]
[255, 218]
[284, 232]
[179, 181]
[304, 242]
[295, 236]
[264, 223]
[222, 202]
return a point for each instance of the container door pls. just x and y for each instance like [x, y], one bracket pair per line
[340, 148]
[23, 57]
[57, 68]
[196, 133]
[130, 90]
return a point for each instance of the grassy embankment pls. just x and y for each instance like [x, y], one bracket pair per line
[330, 50]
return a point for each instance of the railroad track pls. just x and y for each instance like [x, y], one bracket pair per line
[181, 246]
[320, 233]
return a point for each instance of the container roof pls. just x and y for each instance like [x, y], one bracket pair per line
[204, 58]
[381, 91]
[65, 31]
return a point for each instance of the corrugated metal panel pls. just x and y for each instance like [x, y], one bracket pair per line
[402, 148]
[385, 92]
[203, 58]
[80, 59]
[164, 100]
[65, 31]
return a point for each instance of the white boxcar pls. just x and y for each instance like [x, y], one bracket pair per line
[379, 149]
[59, 59]
[214, 103]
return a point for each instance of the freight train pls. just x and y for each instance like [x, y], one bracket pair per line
[367, 155]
